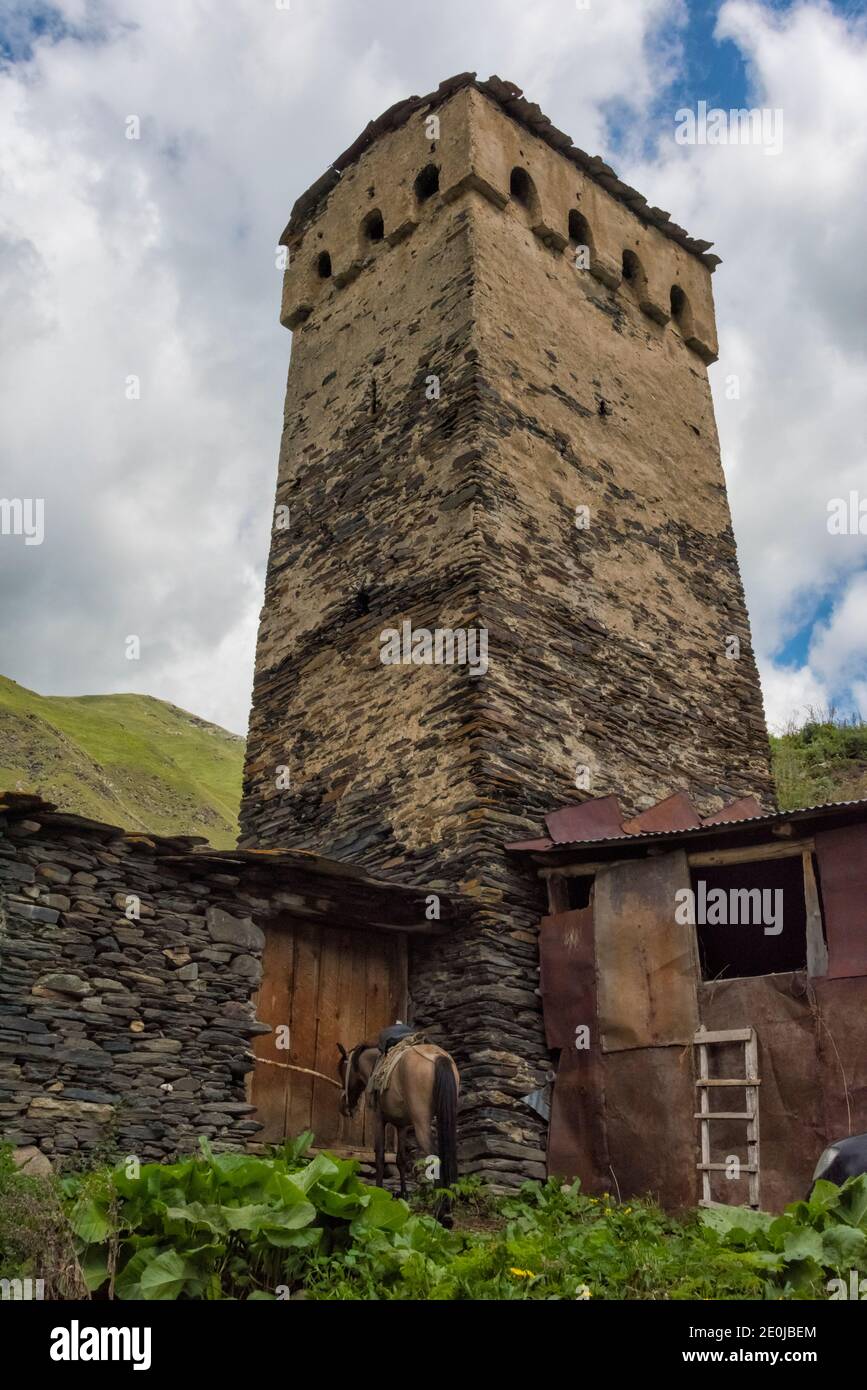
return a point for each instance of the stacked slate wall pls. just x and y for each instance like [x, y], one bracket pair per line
[121, 1035]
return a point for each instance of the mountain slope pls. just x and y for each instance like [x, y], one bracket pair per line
[131, 760]
[825, 759]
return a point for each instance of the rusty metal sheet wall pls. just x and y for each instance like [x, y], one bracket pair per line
[791, 1118]
[646, 962]
[649, 1103]
[567, 974]
[577, 1145]
[576, 1133]
[842, 859]
[842, 1043]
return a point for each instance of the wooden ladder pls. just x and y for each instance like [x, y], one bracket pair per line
[750, 1083]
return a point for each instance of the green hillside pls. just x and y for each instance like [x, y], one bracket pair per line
[130, 760]
[823, 760]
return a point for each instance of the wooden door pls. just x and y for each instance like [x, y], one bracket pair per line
[324, 986]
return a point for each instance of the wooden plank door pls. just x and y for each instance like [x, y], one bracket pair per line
[327, 986]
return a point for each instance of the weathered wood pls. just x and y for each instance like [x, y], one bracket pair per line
[324, 1117]
[269, 1087]
[748, 854]
[729, 1035]
[744, 854]
[750, 1083]
[558, 894]
[817, 950]
[305, 984]
[353, 1022]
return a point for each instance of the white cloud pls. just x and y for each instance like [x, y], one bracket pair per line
[839, 647]
[791, 229]
[156, 257]
[790, 695]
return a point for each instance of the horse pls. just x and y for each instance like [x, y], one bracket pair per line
[844, 1158]
[422, 1088]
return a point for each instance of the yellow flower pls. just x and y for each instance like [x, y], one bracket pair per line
[523, 1273]
[583, 1293]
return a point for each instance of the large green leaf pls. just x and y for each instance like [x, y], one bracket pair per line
[805, 1244]
[94, 1267]
[727, 1220]
[127, 1283]
[824, 1198]
[308, 1239]
[853, 1201]
[89, 1220]
[844, 1245]
[240, 1170]
[294, 1149]
[164, 1277]
[382, 1212]
[212, 1218]
[256, 1218]
[346, 1205]
[322, 1169]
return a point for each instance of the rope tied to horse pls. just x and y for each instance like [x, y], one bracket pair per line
[384, 1068]
[308, 1071]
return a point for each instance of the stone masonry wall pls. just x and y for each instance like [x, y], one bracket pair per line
[454, 506]
[612, 639]
[121, 1035]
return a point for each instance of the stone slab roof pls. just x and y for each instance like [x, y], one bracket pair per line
[396, 903]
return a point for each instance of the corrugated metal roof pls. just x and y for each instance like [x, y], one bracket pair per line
[706, 827]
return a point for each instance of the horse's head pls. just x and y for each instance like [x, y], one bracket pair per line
[352, 1081]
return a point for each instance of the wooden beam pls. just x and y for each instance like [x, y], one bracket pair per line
[745, 854]
[726, 1036]
[341, 920]
[748, 854]
[558, 894]
[817, 951]
[582, 870]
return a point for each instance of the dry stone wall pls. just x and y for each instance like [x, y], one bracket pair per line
[122, 1034]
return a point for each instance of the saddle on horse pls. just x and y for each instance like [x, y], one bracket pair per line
[393, 1042]
[394, 1033]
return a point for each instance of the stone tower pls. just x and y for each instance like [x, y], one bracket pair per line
[498, 417]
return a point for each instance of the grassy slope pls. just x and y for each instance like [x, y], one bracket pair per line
[131, 760]
[824, 760]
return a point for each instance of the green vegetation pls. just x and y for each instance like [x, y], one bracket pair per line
[825, 759]
[130, 760]
[239, 1226]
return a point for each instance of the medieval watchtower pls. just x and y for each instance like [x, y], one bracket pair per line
[498, 421]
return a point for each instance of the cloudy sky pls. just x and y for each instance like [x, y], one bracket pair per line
[154, 258]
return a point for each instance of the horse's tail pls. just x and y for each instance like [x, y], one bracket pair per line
[445, 1106]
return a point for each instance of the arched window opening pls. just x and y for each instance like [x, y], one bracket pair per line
[631, 268]
[579, 229]
[373, 228]
[678, 303]
[427, 183]
[323, 265]
[521, 187]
